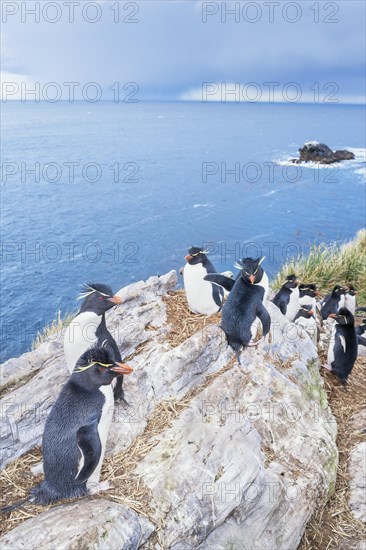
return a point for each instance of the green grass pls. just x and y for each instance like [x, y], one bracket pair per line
[328, 265]
[53, 329]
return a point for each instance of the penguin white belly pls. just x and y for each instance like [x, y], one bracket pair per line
[198, 292]
[342, 301]
[103, 429]
[293, 305]
[350, 303]
[265, 284]
[330, 355]
[80, 335]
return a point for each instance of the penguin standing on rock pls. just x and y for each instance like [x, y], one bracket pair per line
[308, 294]
[72, 440]
[89, 329]
[350, 298]
[287, 298]
[244, 305]
[342, 350]
[308, 297]
[202, 296]
[333, 302]
[305, 319]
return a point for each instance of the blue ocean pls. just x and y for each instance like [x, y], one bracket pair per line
[114, 193]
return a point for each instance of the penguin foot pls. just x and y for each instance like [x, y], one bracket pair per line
[326, 366]
[96, 488]
[37, 469]
[252, 344]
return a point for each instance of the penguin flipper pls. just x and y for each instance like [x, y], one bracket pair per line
[281, 305]
[220, 280]
[264, 318]
[218, 295]
[91, 448]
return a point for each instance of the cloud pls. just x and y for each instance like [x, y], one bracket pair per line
[255, 92]
[12, 85]
[170, 51]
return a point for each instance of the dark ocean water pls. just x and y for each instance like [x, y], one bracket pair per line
[119, 192]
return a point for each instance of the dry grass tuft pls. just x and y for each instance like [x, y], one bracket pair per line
[15, 482]
[333, 527]
[182, 322]
[55, 328]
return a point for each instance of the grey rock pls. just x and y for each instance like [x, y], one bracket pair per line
[210, 478]
[357, 483]
[313, 151]
[357, 422]
[89, 524]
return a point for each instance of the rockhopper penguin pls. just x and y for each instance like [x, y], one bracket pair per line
[72, 443]
[202, 296]
[342, 350]
[287, 298]
[244, 305]
[333, 302]
[305, 318]
[89, 328]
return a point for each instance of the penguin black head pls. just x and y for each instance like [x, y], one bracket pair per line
[98, 298]
[308, 290]
[350, 289]
[306, 312]
[250, 269]
[338, 290]
[343, 316]
[291, 282]
[196, 255]
[97, 367]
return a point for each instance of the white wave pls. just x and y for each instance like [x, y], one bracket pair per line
[357, 164]
[270, 193]
[359, 152]
[362, 172]
[205, 205]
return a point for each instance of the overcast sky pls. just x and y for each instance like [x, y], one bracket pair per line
[170, 51]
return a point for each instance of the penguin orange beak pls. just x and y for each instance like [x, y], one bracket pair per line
[252, 279]
[317, 293]
[187, 258]
[122, 368]
[311, 312]
[333, 315]
[115, 299]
